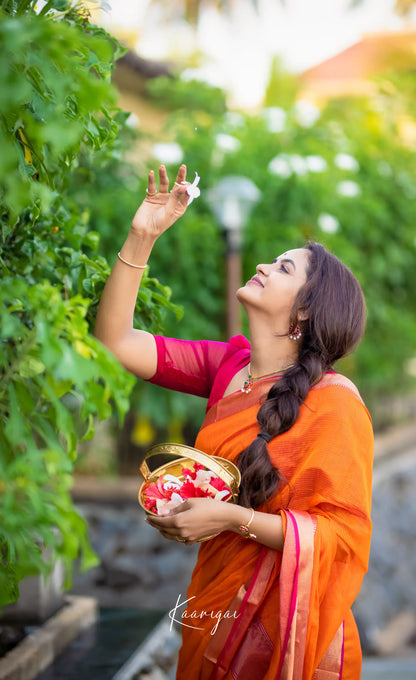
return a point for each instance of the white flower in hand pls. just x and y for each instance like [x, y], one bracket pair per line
[192, 189]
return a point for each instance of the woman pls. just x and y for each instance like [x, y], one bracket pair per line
[270, 595]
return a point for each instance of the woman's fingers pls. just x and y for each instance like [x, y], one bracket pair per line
[178, 189]
[151, 185]
[163, 180]
[181, 176]
[171, 532]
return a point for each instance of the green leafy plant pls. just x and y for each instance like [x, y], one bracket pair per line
[57, 106]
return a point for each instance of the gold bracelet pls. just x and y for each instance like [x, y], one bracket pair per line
[244, 528]
[136, 266]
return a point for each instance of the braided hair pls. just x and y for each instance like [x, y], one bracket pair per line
[334, 305]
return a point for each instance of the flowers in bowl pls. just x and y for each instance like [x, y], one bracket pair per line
[170, 490]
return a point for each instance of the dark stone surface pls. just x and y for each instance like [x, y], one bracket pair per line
[100, 651]
[390, 584]
[139, 568]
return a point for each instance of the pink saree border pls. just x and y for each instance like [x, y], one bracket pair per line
[219, 655]
[342, 650]
[295, 587]
[290, 552]
[295, 593]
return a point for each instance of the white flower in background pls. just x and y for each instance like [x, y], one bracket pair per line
[133, 121]
[306, 113]
[298, 164]
[39, 6]
[227, 143]
[275, 118]
[328, 223]
[384, 169]
[348, 188]
[279, 165]
[234, 119]
[285, 165]
[169, 152]
[316, 163]
[345, 161]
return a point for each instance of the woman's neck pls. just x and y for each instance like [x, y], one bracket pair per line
[269, 354]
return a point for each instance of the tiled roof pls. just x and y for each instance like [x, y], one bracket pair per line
[371, 55]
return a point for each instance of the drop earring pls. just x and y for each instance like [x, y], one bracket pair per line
[294, 332]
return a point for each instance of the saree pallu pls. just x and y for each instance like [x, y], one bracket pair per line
[258, 614]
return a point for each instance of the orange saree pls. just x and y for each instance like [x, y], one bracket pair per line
[253, 613]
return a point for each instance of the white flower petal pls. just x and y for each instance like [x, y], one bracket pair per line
[172, 478]
[203, 477]
[193, 190]
[221, 494]
[160, 504]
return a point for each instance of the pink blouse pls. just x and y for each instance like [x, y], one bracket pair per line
[200, 367]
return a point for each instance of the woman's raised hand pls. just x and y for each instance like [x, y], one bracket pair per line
[161, 208]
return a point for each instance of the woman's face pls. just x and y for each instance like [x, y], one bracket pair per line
[274, 287]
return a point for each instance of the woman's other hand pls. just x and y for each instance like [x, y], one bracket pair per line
[197, 518]
[161, 208]
[193, 520]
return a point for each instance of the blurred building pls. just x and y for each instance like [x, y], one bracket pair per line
[353, 71]
[131, 76]
[357, 71]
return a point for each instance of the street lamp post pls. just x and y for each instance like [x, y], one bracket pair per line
[231, 202]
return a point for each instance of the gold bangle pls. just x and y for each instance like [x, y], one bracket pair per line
[136, 266]
[244, 528]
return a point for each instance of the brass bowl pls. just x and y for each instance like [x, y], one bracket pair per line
[185, 456]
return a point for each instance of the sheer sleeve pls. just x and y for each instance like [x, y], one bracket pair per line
[194, 366]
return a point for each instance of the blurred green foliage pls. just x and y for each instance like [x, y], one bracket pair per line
[57, 109]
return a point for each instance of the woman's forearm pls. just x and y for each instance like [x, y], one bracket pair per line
[116, 309]
[136, 349]
[267, 528]
[199, 517]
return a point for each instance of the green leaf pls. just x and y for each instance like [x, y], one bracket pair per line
[30, 367]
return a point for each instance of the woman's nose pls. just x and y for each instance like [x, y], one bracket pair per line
[263, 269]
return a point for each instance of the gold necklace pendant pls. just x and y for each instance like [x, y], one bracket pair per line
[246, 388]
[248, 384]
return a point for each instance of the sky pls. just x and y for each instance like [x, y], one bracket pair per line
[238, 49]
